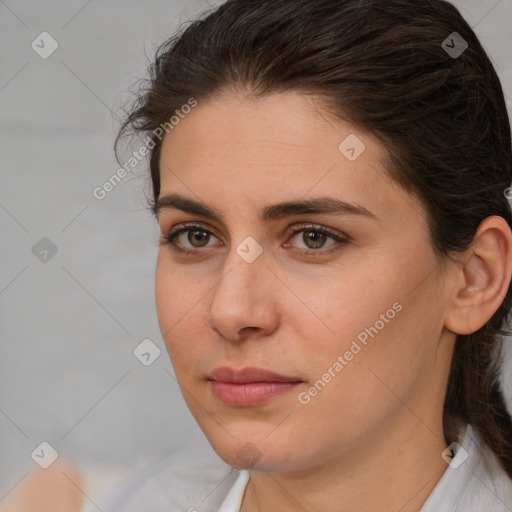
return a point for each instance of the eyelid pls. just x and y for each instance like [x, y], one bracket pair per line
[337, 235]
[189, 226]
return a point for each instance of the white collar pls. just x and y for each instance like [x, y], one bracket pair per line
[233, 500]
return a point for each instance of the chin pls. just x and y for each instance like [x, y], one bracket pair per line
[254, 452]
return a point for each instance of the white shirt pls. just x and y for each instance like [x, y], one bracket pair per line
[186, 482]
[234, 498]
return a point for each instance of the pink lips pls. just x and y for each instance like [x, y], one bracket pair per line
[249, 386]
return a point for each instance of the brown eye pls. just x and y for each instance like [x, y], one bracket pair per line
[198, 236]
[314, 239]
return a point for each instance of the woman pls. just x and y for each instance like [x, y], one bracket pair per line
[334, 271]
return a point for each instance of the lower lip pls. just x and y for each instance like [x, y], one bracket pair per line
[249, 394]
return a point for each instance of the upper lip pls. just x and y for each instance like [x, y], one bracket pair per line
[248, 374]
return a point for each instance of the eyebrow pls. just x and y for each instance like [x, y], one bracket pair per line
[325, 205]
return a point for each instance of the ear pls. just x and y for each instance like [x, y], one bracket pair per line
[483, 279]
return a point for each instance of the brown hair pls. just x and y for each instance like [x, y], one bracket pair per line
[382, 65]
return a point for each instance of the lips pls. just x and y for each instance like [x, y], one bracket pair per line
[249, 374]
[250, 386]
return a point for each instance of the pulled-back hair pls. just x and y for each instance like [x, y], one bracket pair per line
[382, 65]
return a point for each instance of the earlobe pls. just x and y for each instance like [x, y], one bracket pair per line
[483, 278]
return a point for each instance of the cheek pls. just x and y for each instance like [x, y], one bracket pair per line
[181, 305]
[179, 309]
[382, 337]
[384, 360]
[354, 386]
[356, 306]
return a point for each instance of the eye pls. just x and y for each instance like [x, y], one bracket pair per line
[197, 237]
[315, 237]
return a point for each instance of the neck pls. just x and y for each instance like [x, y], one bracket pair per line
[394, 469]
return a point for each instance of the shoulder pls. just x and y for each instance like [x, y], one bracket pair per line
[185, 481]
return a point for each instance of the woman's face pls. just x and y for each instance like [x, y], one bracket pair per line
[348, 303]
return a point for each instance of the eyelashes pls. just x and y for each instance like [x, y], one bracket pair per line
[172, 239]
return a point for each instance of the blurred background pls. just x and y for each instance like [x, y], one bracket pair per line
[77, 272]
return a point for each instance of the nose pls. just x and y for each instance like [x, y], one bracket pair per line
[245, 299]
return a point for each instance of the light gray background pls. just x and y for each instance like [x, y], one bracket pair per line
[68, 327]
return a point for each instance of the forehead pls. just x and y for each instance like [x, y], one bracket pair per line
[287, 123]
[258, 151]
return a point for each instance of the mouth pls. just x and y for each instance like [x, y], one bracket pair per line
[249, 386]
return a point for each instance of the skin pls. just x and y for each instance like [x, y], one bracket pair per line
[377, 425]
[55, 489]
